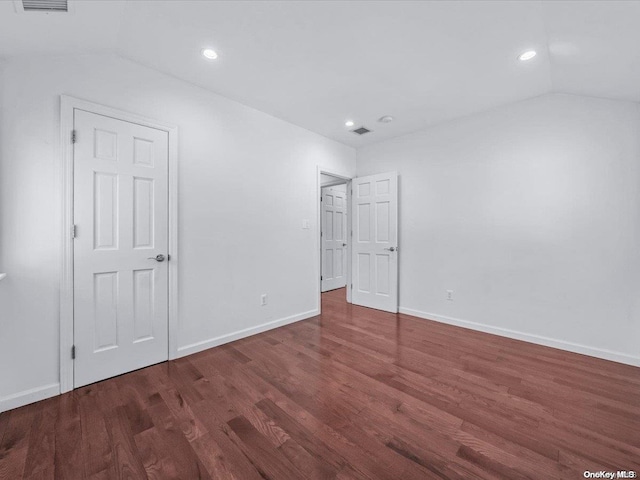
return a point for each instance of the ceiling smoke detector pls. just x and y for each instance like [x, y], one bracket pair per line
[386, 119]
[361, 130]
[42, 6]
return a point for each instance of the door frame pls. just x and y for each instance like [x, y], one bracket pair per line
[68, 105]
[328, 171]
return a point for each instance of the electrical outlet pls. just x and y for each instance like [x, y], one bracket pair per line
[450, 295]
[263, 299]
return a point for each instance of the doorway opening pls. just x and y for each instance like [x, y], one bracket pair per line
[368, 225]
[334, 234]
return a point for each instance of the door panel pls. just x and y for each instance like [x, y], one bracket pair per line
[105, 288]
[334, 240]
[143, 214]
[375, 231]
[121, 217]
[143, 303]
[106, 212]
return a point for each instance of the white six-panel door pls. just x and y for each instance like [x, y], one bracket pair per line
[334, 239]
[121, 218]
[375, 241]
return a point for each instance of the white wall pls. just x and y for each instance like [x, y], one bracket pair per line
[531, 215]
[239, 236]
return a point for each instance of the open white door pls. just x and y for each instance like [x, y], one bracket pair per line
[375, 241]
[120, 250]
[334, 238]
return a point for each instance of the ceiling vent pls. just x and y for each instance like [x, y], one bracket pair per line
[46, 6]
[361, 130]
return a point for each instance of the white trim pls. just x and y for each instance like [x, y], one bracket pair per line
[173, 243]
[247, 332]
[528, 337]
[333, 184]
[66, 270]
[26, 397]
[67, 107]
[327, 171]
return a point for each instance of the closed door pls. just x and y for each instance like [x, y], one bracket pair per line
[120, 248]
[334, 239]
[375, 241]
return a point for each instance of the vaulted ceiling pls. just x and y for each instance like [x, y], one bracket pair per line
[319, 63]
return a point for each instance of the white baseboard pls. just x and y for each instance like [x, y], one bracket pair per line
[40, 393]
[527, 337]
[247, 332]
[29, 396]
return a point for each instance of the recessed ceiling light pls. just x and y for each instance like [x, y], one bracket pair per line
[386, 119]
[528, 55]
[209, 53]
[349, 123]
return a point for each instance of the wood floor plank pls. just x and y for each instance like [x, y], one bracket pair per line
[94, 442]
[165, 451]
[41, 451]
[68, 461]
[270, 460]
[126, 456]
[351, 394]
[14, 447]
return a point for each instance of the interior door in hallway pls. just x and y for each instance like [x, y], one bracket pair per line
[375, 241]
[334, 238]
[120, 248]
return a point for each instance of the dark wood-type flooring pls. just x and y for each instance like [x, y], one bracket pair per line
[354, 393]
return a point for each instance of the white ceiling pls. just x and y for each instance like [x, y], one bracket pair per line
[318, 63]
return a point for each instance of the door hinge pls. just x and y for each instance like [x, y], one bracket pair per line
[74, 231]
[73, 352]
[74, 137]
[352, 286]
[320, 277]
[320, 198]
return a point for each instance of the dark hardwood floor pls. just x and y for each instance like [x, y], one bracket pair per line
[355, 393]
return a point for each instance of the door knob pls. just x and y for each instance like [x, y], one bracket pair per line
[344, 244]
[391, 249]
[157, 258]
